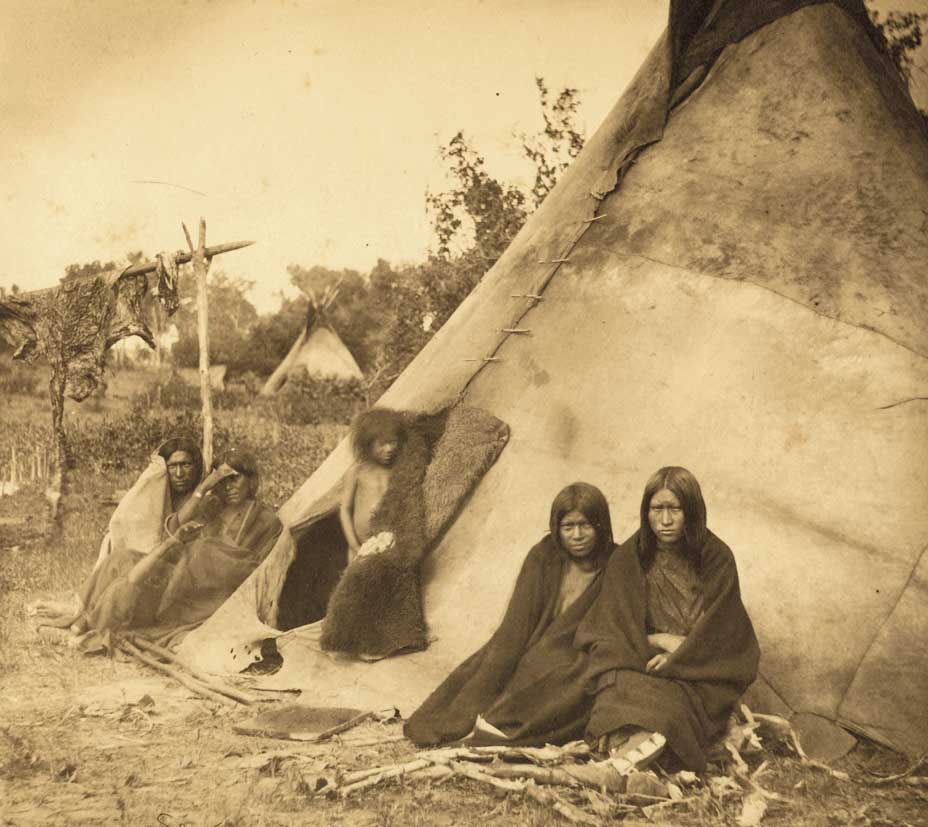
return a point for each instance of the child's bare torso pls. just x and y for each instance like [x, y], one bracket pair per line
[370, 486]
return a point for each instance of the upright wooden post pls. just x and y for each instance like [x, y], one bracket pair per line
[200, 263]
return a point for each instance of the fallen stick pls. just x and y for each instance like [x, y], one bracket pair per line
[343, 727]
[370, 742]
[650, 809]
[784, 730]
[539, 755]
[540, 775]
[450, 753]
[180, 677]
[883, 780]
[435, 771]
[391, 772]
[555, 802]
[360, 775]
[476, 774]
[212, 683]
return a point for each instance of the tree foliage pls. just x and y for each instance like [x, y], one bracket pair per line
[491, 210]
[901, 34]
[232, 318]
[553, 149]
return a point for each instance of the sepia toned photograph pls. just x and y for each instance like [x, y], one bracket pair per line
[476, 412]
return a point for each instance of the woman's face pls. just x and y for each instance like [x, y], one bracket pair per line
[234, 490]
[665, 516]
[577, 535]
[182, 471]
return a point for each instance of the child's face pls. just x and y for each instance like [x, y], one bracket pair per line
[384, 450]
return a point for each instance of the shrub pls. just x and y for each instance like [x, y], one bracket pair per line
[306, 400]
[21, 378]
[287, 454]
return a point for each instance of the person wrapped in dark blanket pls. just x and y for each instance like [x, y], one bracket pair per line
[528, 683]
[671, 645]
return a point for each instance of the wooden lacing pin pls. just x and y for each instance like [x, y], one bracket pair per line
[525, 330]
[555, 261]
[594, 218]
[533, 296]
[485, 359]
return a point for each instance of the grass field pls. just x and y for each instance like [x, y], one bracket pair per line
[99, 740]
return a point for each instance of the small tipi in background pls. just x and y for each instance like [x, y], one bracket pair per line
[318, 348]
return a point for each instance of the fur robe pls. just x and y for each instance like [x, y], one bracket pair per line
[690, 701]
[376, 607]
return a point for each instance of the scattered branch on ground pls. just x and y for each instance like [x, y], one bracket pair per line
[206, 691]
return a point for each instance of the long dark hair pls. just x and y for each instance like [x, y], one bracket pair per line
[374, 424]
[183, 443]
[590, 502]
[686, 489]
[247, 466]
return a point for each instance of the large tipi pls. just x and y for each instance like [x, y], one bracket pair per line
[729, 277]
[318, 350]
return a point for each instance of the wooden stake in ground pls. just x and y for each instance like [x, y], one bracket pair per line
[200, 262]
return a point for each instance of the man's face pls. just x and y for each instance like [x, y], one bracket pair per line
[181, 472]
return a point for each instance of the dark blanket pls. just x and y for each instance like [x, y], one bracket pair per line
[692, 699]
[185, 587]
[528, 680]
[376, 607]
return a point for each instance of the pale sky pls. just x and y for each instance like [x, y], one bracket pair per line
[309, 127]
[312, 128]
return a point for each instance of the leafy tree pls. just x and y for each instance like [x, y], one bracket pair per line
[353, 315]
[495, 211]
[901, 34]
[272, 336]
[474, 222]
[552, 149]
[231, 319]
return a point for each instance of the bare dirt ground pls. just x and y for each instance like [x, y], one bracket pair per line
[99, 740]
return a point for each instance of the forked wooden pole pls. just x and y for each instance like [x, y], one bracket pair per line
[201, 261]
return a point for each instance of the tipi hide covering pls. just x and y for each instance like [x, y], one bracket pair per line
[732, 279]
[319, 351]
